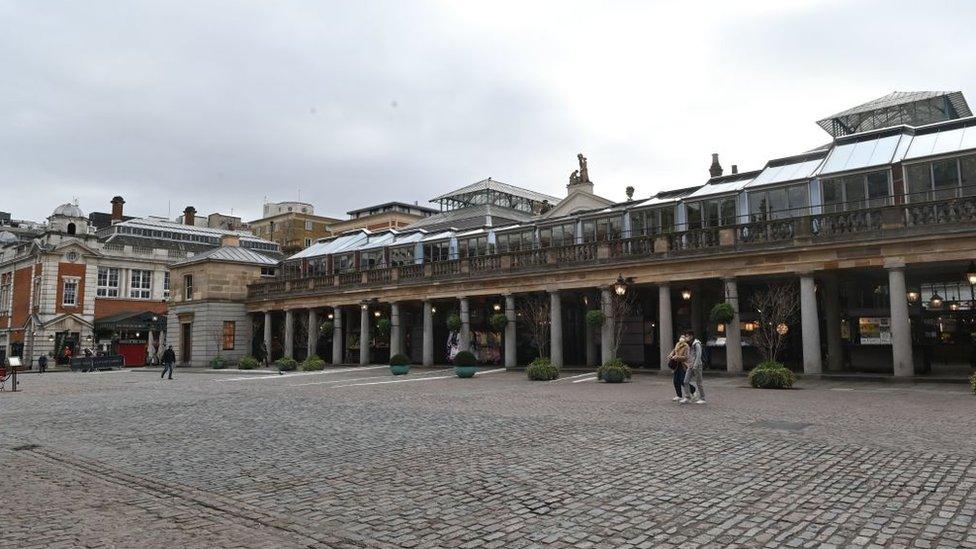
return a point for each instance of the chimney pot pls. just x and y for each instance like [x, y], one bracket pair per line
[715, 170]
[189, 215]
[735, 169]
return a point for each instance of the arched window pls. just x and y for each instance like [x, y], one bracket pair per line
[71, 228]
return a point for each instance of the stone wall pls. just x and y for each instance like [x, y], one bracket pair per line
[207, 320]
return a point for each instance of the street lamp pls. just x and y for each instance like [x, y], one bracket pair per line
[620, 286]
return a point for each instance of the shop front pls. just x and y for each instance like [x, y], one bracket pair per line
[137, 337]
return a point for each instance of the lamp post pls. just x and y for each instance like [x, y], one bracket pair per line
[620, 286]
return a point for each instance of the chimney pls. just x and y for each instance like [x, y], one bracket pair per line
[230, 240]
[117, 203]
[735, 169]
[189, 215]
[715, 170]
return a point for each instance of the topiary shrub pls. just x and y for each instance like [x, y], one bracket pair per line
[614, 371]
[399, 364]
[218, 362]
[722, 313]
[313, 364]
[326, 327]
[248, 363]
[453, 322]
[595, 318]
[498, 321]
[542, 369]
[771, 375]
[383, 327]
[286, 364]
[465, 364]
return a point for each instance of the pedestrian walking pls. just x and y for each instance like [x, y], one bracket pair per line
[42, 364]
[694, 371]
[169, 357]
[677, 360]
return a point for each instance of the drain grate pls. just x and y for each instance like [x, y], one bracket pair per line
[26, 447]
[790, 426]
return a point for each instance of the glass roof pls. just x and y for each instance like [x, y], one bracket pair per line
[943, 142]
[793, 171]
[862, 154]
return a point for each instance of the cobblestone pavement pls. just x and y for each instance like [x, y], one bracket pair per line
[357, 458]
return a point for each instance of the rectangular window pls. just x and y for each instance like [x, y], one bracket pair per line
[471, 247]
[267, 272]
[230, 330]
[308, 242]
[165, 284]
[140, 286]
[108, 282]
[308, 225]
[401, 256]
[855, 192]
[694, 215]
[372, 259]
[589, 231]
[69, 292]
[436, 251]
[945, 178]
[967, 172]
[188, 287]
[877, 189]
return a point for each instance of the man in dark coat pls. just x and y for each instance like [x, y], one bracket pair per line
[169, 357]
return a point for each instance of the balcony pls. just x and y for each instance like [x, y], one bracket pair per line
[870, 224]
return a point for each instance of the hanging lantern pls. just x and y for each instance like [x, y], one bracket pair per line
[954, 306]
[686, 294]
[971, 273]
[377, 314]
[620, 286]
[331, 316]
[496, 307]
[936, 301]
[782, 328]
[912, 296]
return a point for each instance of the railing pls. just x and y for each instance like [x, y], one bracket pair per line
[445, 268]
[865, 224]
[410, 272]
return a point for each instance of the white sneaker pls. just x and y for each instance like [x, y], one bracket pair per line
[676, 399]
[682, 401]
[700, 401]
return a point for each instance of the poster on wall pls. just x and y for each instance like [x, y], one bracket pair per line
[875, 330]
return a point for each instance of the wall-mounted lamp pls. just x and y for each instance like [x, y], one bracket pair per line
[686, 294]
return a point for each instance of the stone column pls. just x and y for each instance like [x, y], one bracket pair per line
[267, 337]
[289, 333]
[901, 331]
[364, 335]
[511, 357]
[606, 332]
[555, 328]
[810, 324]
[835, 346]
[396, 334]
[464, 337]
[313, 333]
[665, 324]
[428, 333]
[733, 332]
[338, 343]
[591, 357]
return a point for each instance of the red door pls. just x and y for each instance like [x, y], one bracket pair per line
[133, 353]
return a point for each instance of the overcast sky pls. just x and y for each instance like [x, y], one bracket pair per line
[221, 104]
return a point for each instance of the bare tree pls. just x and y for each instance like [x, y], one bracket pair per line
[778, 306]
[620, 308]
[534, 311]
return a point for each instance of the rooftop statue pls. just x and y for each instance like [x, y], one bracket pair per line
[574, 178]
[584, 173]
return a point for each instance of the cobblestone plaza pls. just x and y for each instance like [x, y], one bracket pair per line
[356, 458]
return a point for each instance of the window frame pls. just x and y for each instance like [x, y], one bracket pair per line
[140, 288]
[228, 335]
[106, 289]
[188, 287]
[73, 282]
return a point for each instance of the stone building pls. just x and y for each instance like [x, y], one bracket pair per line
[391, 215]
[876, 229]
[70, 286]
[207, 315]
[292, 225]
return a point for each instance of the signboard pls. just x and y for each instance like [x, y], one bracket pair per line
[875, 330]
[97, 362]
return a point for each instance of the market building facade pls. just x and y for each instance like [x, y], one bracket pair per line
[877, 229]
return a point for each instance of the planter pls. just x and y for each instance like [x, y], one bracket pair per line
[399, 369]
[614, 375]
[465, 371]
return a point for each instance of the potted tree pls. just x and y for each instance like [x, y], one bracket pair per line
[399, 364]
[498, 322]
[622, 305]
[465, 364]
[454, 322]
[778, 306]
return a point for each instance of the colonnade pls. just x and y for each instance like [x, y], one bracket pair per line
[809, 321]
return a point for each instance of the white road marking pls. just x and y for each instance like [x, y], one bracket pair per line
[413, 379]
[591, 378]
[287, 376]
[572, 377]
[355, 379]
